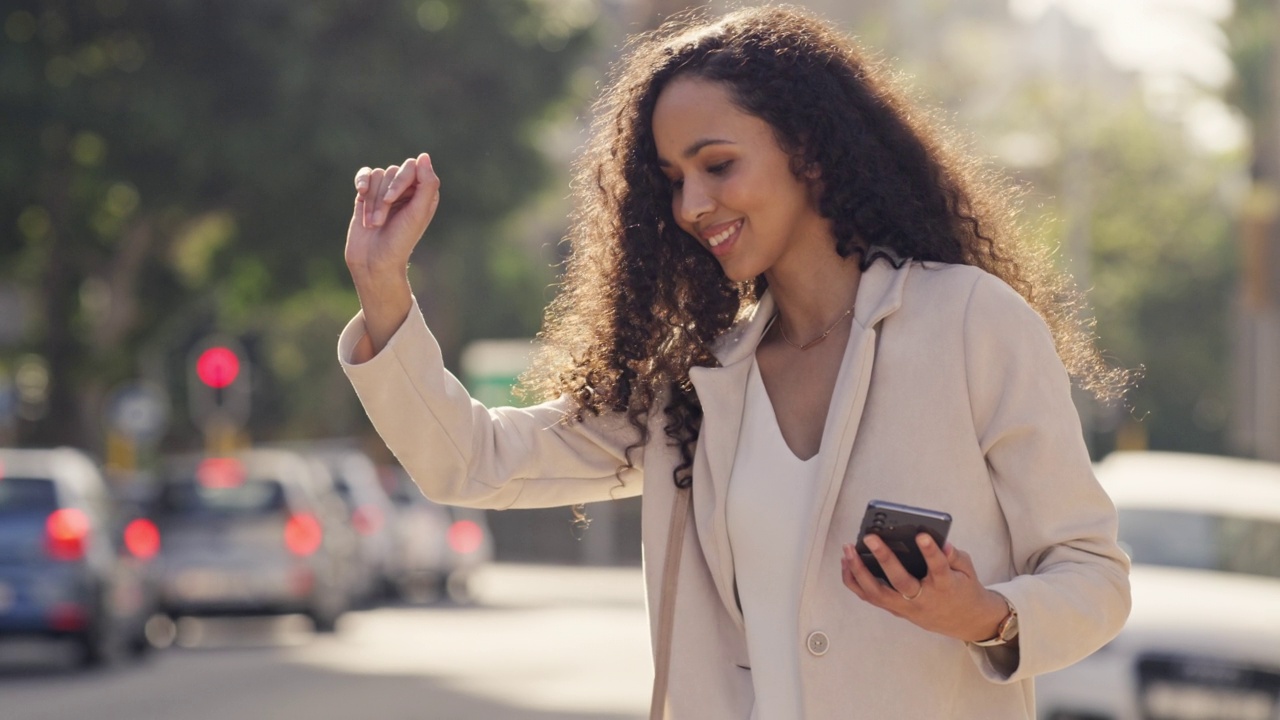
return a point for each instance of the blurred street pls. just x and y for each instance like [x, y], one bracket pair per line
[539, 642]
[178, 437]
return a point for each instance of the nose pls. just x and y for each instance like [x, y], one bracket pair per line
[693, 201]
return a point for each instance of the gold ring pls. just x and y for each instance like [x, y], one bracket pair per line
[910, 598]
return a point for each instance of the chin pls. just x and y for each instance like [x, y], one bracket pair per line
[737, 273]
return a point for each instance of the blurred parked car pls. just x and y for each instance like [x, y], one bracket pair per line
[247, 534]
[370, 512]
[1203, 640]
[70, 566]
[342, 538]
[140, 549]
[438, 547]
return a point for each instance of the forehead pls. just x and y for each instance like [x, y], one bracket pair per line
[690, 110]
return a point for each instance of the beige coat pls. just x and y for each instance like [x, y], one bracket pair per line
[952, 397]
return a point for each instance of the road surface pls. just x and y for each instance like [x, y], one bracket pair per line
[540, 643]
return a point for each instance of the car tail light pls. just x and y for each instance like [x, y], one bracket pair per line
[66, 533]
[302, 534]
[68, 617]
[142, 538]
[465, 537]
[302, 581]
[366, 519]
[220, 473]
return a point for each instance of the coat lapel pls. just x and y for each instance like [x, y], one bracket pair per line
[722, 392]
[879, 294]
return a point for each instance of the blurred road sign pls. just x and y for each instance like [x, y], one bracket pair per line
[140, 410]
[492, 367]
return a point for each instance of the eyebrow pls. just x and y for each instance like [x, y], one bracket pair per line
[695, 147]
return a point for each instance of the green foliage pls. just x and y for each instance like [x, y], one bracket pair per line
[1163, 277]
[1136, 212]
[1251, 40]
[1161, 262]
[188, 164]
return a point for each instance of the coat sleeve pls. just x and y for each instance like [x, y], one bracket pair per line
[462, 453]
[1071, 586]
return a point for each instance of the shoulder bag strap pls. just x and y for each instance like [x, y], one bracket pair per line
[666, 615]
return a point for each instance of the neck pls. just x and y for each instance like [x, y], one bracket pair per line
[810, 301]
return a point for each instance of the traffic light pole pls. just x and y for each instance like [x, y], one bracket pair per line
[223, 438]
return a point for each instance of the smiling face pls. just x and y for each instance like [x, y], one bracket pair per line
[732, 186]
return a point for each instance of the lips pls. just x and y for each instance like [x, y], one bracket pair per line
[721, 237]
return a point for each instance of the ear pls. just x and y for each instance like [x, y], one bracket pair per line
[812, 176]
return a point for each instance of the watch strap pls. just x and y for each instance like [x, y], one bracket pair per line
[1006, 631]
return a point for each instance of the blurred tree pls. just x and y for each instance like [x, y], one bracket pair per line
[168, 169]
[1137, 212]
[1253, 37]
[1161, 275]
[1148, 214]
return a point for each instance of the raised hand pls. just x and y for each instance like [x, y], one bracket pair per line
[393, 208]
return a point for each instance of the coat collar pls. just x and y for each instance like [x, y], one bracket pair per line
[879, 294]
[722, 393]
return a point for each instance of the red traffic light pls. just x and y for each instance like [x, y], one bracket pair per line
[218, 367]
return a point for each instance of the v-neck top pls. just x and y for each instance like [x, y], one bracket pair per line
[771, 498]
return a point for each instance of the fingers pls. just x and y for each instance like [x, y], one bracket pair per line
[961, 562]
[859, 579]
[362, 181]
[936, 560]
[902, 581]
[379, 190]
[378, 196]
[367, 184]
[426, 195]
[848, 572]
[399, 186]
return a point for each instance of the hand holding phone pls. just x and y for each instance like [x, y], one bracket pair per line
[898, 525]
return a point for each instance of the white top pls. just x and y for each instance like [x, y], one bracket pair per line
[770, 502]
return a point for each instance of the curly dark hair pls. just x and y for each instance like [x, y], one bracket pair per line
[642, 301]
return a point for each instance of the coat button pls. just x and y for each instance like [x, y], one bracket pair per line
[818, 643]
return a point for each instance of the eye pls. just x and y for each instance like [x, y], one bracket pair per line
[677, 184]
[720, 168]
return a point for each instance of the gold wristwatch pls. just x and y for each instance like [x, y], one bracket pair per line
[1006, 631]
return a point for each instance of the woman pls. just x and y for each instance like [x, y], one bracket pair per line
[785, 295]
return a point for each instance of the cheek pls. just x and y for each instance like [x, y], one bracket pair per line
[739, 192]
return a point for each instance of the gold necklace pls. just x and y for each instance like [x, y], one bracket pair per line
[821, 337]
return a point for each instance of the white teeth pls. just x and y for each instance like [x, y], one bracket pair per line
[723, 235]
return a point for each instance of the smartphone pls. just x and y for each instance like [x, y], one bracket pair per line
[898, 525]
